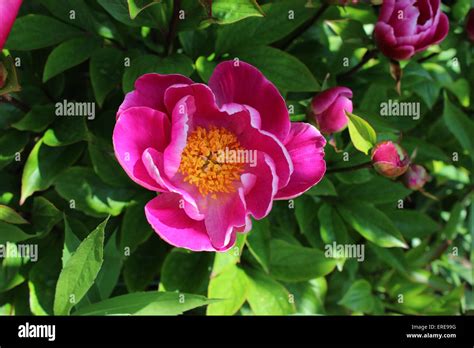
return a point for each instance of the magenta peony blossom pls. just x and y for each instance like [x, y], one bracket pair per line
[8, 12]
[415, 177]
[329, 109]
[389, 159]
[406, 27]
[470, 25]
[183, 139]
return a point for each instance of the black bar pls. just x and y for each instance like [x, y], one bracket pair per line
[195, 330]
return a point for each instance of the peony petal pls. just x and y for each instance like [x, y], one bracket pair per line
[153, 161]
[136, 130]
[8, 12]
[203, 96]
[325, 99]
[223, 216]
[259, 140]
[233, 108]
[306, 147]
[260, 184]
[150, 90]
[386, 10]
[174, 226]
[245, 84]
[334, 119]
[442, 29]
[180, 120]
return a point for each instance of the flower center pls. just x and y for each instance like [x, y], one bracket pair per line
[204, 164]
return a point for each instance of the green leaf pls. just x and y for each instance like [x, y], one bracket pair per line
[424, 151]
[324, 188]
[175, 64]
[350, 31]
[71, 242]
[142, 267]
[42, 279]
[462, 90]
[455, 218]
[362, 134]
[372, 224]
[92, 21]
[204, 68]
[135, 228]
[146, 303]
[230, 257]
[105, 164]
[37, 31]
[44, 215]
[10, 275]
[68, 55]
[110, 272]
[137, 6]
[275, 25]
[379, 190]
[44, 164]
[460, 125]
[309, 296]
[268, 297]
[80, 271]
[392, 257]
[332, 227]
[184, 271]
[154, 16]
[258, 242]
[280, 68]
[297, 263]
[12, 142]
[90, 194]
[37, 119]
[359, 297]
[226, 12]
[9, 215]
[66, 131]
[12, 233]
[305, 208]
[106, 70]
[230, 286]
[412, 224]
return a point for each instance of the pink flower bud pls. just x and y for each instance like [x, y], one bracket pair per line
[389, 159]
[408, 27]
[415, 177]
[329, 109]
[470, 25]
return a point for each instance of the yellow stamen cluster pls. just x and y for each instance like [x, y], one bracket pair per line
[201, 161]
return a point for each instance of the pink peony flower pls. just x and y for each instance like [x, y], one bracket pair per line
[470, 25]
[8, 12]
[406, 27]
[415, 177]
[178, 138]
[389, 159]
[329, 109]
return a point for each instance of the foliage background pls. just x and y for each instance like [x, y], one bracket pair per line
[69, 181]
